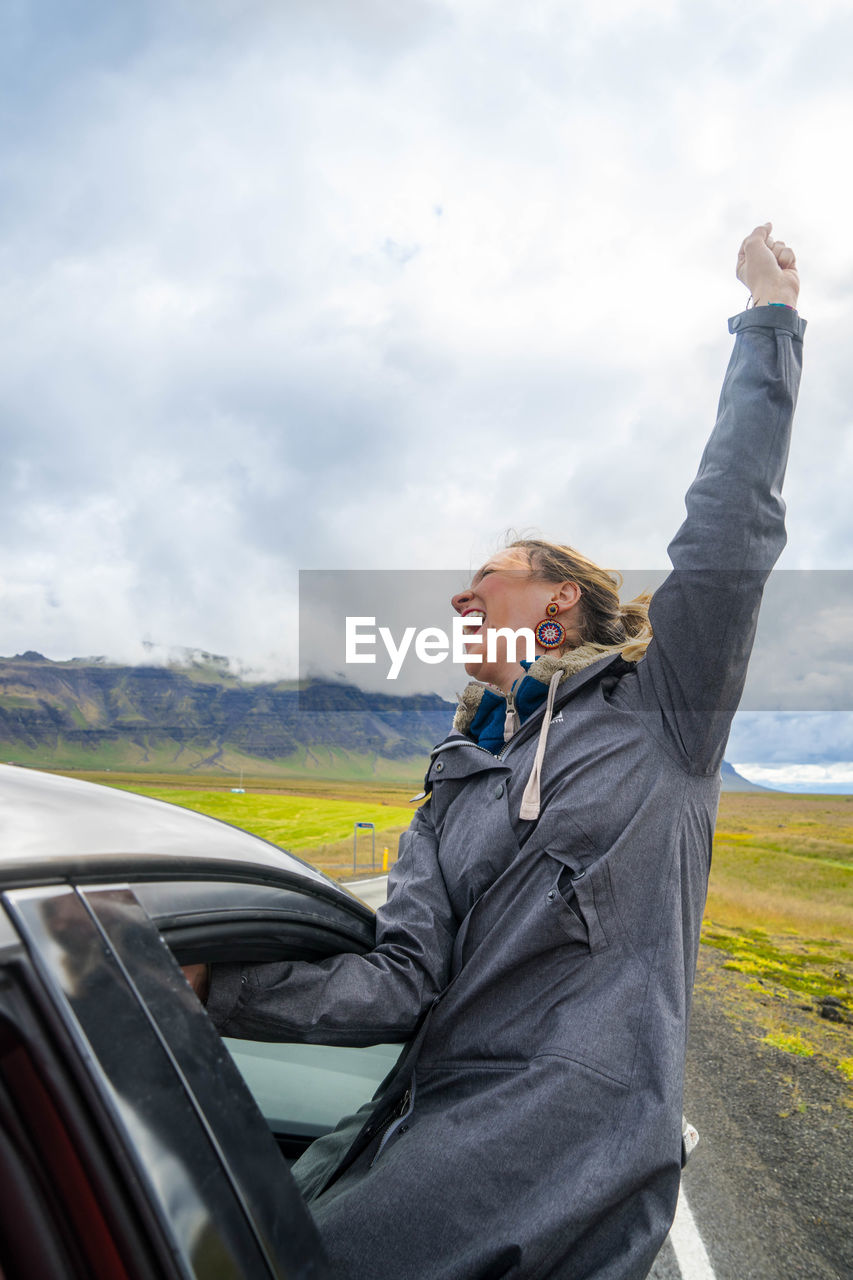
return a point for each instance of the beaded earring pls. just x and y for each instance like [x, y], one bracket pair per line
[549, 632]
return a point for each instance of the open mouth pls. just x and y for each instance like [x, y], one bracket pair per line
[473, 615]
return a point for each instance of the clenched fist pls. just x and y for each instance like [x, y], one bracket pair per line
[768, 268]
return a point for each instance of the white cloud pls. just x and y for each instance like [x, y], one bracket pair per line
[836, 777]
[328, 285]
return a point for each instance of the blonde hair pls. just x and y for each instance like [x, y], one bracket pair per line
[602, 619]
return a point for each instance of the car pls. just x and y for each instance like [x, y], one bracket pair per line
[136, 1143]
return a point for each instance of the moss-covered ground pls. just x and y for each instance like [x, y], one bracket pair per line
[780, 913]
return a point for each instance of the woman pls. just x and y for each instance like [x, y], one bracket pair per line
[542, 926]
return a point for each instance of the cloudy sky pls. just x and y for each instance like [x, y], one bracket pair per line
[355, 284]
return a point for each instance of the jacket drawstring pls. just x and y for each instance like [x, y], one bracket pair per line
[530, 800]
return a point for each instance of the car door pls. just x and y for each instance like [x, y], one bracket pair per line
[136, 1147]
[302, 1090]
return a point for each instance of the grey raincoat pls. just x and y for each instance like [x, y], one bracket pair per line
[544, 967]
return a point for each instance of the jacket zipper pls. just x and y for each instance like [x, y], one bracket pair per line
[393, 1123]
[512, 720]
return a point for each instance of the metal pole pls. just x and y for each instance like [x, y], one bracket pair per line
[355, 830]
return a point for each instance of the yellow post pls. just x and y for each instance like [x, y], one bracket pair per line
[385, 859]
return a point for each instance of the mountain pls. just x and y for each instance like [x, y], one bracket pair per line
[198, 716]
[734, 781]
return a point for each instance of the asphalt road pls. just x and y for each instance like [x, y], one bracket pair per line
[771, 1183]
[372, 891]
[767, 1193]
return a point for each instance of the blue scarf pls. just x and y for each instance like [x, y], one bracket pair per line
[487, 727]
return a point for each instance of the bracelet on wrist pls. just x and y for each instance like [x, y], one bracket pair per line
[752, 303]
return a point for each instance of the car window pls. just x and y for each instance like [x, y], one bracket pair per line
[227, 921]
[52, 1219]
[303, 1090]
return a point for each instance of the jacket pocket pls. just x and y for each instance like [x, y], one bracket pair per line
[572, 901]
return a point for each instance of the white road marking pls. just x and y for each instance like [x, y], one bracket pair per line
[690, 1252]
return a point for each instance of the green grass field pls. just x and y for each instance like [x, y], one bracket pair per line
[318, 827]
[784, 863]
[151, 758]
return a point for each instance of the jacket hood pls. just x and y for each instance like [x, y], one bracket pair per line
[543, 670]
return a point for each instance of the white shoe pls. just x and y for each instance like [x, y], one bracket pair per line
[689, 1138]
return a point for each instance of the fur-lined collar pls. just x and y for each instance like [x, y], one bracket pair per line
[542, 669]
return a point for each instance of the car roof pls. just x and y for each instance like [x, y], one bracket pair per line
[48, 821]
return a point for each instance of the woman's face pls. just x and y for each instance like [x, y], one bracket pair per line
[505, 593]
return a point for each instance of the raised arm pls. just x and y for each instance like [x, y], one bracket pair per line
[705, 614]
